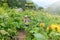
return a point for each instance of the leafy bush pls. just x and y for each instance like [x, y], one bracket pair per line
[11, 21]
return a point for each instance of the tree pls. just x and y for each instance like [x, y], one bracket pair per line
[16, 3]
[30, 5]
[12, 3]
[0, 2]
[40, 8]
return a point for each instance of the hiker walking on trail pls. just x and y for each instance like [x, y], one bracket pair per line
[26, 21]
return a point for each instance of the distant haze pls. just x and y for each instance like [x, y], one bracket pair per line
[54, 8]
[44, 3]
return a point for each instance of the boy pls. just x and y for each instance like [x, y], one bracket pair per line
[26, 20]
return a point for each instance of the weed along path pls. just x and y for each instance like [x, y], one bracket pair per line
[21, 35]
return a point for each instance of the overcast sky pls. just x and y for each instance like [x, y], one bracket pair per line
[44, 3]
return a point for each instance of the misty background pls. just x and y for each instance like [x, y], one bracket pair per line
[44, 3]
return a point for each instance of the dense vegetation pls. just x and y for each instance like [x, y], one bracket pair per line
[41, 26]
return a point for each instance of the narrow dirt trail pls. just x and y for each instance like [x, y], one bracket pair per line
[21, 35]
